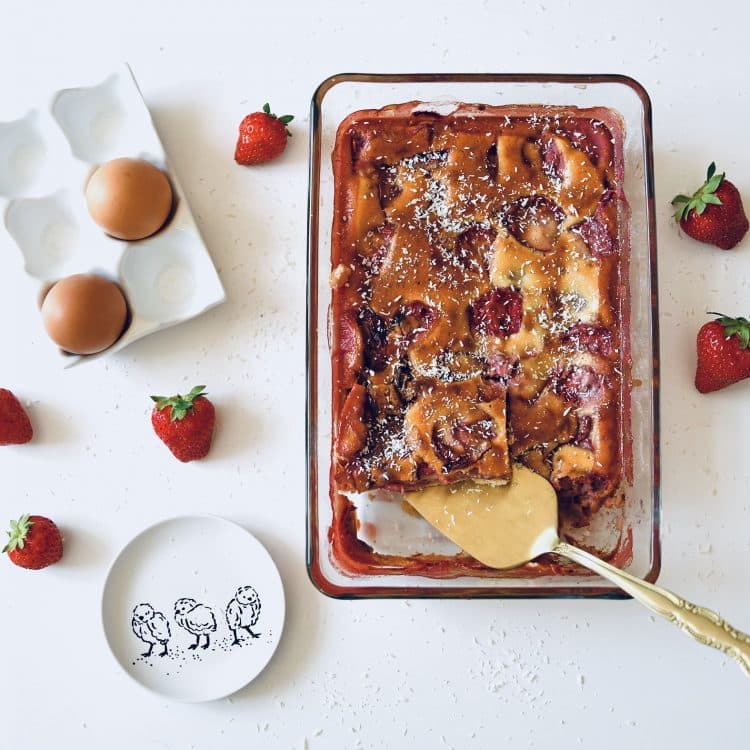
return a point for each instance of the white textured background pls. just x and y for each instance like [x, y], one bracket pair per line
[359, 674]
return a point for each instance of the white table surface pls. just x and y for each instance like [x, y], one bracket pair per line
[359, 674]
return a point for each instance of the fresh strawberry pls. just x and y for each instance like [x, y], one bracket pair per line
[15, 427]
[35, 542]
[263, 137]
[185, 424]
[714, 214]
[723, 353]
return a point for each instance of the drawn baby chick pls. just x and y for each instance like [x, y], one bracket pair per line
[243, 612]
[151, 627]
[197, 619]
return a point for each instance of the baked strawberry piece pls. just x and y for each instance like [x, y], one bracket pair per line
[263, 136]
[723, 353]
[15, 426]
[185, 424]
[497, 313]
[34, 542]
[714, 213]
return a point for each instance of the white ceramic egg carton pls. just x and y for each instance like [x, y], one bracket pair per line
[46, 158]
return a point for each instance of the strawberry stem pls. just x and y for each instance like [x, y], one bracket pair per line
[701, 198]
[739, 327]
[179, 404]
[19, 530]
[284, 119]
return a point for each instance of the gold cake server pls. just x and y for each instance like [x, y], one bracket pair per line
[504, 527]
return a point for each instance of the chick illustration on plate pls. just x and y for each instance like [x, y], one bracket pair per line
[151, 627]
[198, 619]
[243, 612]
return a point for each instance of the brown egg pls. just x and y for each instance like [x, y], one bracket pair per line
[85, 313]
[129, 198]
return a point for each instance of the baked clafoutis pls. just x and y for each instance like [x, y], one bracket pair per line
[479, 307]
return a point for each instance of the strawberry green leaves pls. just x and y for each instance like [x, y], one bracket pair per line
[284, 119]
[180, 405]
[739, 327]
[703, 197]
[18, 532]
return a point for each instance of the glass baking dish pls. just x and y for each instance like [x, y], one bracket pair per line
[339, 96]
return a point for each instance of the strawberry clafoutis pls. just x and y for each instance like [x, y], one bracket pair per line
[479, 291]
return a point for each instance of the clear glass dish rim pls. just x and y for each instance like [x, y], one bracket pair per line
[355, 591]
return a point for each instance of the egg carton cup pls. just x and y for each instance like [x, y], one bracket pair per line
[46, 158]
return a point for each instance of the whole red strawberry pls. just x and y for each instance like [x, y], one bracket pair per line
[723, 353]
[35, 542]
[185, 424]
[15, 427]
[263, 137]
[714, 214]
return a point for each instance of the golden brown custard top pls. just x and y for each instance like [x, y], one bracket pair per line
[477, 298]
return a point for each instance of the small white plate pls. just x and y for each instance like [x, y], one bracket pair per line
[193, 608]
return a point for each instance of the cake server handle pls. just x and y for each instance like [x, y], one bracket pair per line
[703, 624]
